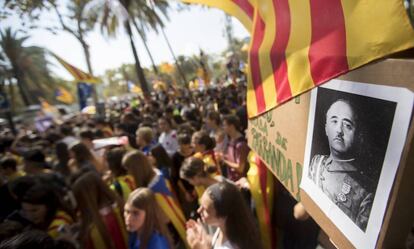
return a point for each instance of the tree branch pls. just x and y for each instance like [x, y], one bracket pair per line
[64, 26]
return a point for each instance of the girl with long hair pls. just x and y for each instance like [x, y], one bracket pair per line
[82, 158]
[145, 175]
[62, 159]
[100, 212]
[143, 222]
[122, 183]
[161, 160]
[236, 228]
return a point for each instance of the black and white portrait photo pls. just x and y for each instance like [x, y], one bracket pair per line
[351, 131]
[348, 147]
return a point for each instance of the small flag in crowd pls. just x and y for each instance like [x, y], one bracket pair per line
[79, 75]
[166, 68]
[132, 88]
[298, 45]
[64, 95]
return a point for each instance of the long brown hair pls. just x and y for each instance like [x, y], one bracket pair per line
[239, 224]
[92, 194]
[139, 167]
[143, 199]
[161, 156]
[82, 155]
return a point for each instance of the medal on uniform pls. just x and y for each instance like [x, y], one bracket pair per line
[341, 197]
[346, 188]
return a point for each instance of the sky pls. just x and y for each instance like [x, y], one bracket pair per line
[188, 31]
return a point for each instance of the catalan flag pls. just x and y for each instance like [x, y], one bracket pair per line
[64, 96]
[168, 204]
[297, 45]
[261, 188]
[78, 74]
[114, 224]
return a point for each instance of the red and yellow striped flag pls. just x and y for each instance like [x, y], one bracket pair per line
[297, 45]
[261, 183]
[241, 9]
[78, 74]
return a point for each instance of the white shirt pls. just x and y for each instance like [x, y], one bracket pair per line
[169, 142]
[225, 245]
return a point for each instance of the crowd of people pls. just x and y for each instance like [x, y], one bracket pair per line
[169, 171]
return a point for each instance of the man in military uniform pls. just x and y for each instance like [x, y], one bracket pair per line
[340, 175]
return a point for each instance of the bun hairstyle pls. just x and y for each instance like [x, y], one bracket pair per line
[192, 167]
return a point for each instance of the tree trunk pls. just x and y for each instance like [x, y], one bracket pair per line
[21, 85]
[138, 68]
[180, 71]
[8, 113]
[12, 97]
[146, 47]
[87, 54]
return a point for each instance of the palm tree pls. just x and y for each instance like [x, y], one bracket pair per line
[77, 25]
[12, 48]
[162, 7]
[27, 65]
[145, 18]
[111, 14]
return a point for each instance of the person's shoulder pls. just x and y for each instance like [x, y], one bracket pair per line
[319, 158]
[158, 241]
[317, 162]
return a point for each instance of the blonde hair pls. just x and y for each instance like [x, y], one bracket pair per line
[144, 199]
[138, 167]
[146, 134]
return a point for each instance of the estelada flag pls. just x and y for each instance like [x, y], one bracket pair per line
[297, 45]
[64, 96]
[79, 75]
[168, 204]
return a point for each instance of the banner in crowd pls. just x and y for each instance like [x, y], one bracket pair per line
[297, 45]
